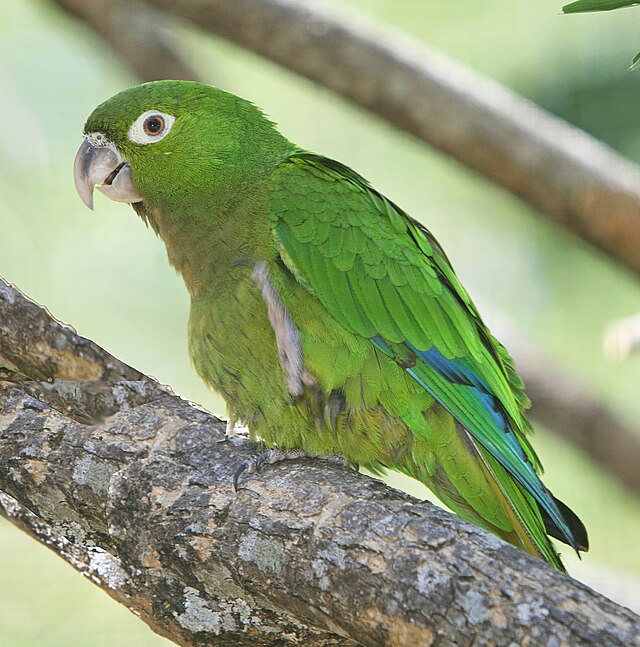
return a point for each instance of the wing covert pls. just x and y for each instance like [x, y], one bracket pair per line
[383, 276]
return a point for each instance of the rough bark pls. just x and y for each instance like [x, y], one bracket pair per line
[566, 174]
[33, 343]
[132, 486]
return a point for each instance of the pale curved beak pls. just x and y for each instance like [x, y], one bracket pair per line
[99, 163]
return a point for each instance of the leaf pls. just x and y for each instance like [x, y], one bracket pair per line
[597, 5]
[583, 6]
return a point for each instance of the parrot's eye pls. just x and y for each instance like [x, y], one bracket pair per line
[151, 126]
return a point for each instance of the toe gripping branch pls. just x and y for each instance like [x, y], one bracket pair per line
[272, 456]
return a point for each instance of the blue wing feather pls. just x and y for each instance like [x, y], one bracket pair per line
[462, 392]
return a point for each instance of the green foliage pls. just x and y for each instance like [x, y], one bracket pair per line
[583, 6]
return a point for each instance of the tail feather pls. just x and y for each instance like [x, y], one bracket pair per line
[572, 520]
[521, 509]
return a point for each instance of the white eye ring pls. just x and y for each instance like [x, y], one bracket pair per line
[150, 127]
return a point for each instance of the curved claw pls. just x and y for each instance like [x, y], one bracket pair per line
[256, 463]
[242, 468]
[271, 456]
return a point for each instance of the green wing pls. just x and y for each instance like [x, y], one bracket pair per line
[383, 276]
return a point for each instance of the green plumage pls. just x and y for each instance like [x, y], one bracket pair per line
[330, 320]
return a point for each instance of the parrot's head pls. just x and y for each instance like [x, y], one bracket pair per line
[158, 141]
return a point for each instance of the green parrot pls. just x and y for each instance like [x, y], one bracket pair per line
[331, 322]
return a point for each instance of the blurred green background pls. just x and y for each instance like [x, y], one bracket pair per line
[107, 275]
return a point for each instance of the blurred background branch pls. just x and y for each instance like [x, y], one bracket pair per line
[137, 33]
[566, 174]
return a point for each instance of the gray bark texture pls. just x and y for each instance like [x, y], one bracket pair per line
[133, 487]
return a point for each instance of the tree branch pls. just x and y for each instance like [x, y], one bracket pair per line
[563, 172]
[132, 486]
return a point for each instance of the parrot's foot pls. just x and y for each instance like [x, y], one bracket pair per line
[272, 456]
[235, 430]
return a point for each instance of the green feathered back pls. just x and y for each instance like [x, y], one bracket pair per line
[385, 279]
